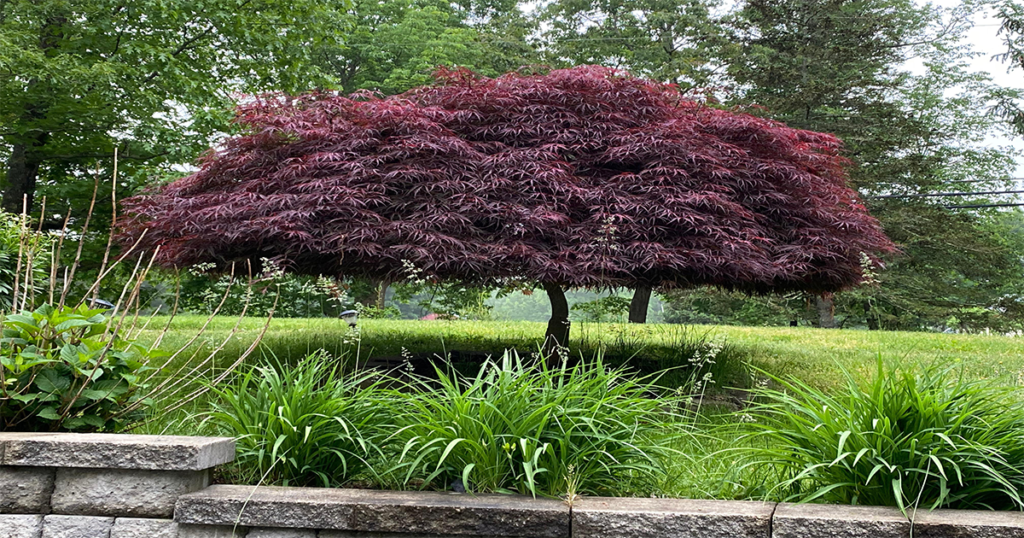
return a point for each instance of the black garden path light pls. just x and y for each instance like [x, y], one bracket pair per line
[350, 316]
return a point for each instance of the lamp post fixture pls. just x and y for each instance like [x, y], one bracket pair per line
[100, 303]
[350, 317]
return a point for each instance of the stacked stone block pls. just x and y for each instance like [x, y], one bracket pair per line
[276, 512]
[61, 485]
[613, 517]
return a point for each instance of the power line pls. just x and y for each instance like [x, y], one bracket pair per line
[974, 206]
[943, 194]
[985, 180]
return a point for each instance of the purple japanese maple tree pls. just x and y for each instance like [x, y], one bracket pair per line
[584, 177]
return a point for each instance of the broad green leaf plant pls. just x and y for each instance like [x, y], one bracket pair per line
[64, 369]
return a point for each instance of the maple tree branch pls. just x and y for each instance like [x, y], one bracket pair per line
[188, 43]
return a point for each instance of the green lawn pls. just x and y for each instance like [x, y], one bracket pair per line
[814, 355]
[705, 466]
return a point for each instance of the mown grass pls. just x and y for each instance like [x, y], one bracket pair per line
[816, 356]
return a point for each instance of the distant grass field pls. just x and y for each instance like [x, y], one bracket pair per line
[814, 355]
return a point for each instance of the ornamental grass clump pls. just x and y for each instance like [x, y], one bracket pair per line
[521, 426]
[926, 440]
[306, 424]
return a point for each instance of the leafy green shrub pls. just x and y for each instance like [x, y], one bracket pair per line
[523, 427]
[10, 240]
[417, 297]
[303, 425]
[33, 249]
[372, 312]
[611, 308]
[928, 440]
[201, 289]
[67, 369]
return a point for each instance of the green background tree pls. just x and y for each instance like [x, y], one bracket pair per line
[153, 78]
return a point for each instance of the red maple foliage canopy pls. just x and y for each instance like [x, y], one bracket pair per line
[578, 178]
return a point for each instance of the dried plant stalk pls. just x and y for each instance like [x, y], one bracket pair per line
[126, 320]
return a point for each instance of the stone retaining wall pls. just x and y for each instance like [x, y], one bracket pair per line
[135, 486]
[62, 485]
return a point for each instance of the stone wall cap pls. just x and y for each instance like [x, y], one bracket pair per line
[673, 506]
[115, 451]
[970, 518]
[834, 512]
[375, 511]
[605, 517]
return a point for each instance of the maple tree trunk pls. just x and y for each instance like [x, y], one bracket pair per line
[826, 310]
[638, 305]
[557, 334]
[22, 170]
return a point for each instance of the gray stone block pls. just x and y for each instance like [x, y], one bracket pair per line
[376, 511]
[308, 508]
[968, 524]
[357, 534]
[281, 533]
[129, 527]
[824, 521]
[77, 526]
[21, 526]
[116, 451]
[25, 490]
[210, 531]
[5, 437]
[606, 517]
[460, 514]
[118, 492]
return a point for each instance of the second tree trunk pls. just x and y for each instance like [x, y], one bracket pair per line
[826, 310]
